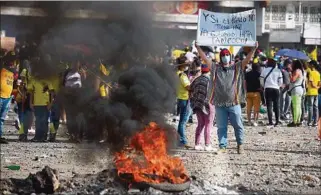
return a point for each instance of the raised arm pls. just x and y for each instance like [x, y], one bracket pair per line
[249, 56]
[202, 55]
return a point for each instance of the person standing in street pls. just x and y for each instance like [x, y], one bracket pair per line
[183, 99]
[253, 95]
[200, 95]
[41, 93]
[7, 71]
[313, 84]
[297, 91]
[285, 99]
[271, 80]
[226, 94]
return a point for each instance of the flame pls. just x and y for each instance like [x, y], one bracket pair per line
[146, 158]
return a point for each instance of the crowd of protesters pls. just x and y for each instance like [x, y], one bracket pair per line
[216, 88]
[28, 81]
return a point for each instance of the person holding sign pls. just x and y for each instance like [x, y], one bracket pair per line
[226, 92]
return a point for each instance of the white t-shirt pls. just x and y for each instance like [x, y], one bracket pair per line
[274, 80]
[190, 56]
[73, 80]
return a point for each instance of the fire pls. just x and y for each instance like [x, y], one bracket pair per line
[146, 159]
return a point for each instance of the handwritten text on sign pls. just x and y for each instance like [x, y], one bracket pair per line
[226, 29]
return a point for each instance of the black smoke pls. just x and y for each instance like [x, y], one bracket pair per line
[145, 90]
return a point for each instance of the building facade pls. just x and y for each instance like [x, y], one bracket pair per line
[293, 24]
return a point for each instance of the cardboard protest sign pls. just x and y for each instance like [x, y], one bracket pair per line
[8, 43]
[224, 29]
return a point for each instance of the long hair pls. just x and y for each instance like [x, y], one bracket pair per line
[256, 67]
[297, 65]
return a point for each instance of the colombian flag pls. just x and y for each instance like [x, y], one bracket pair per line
[313, 54]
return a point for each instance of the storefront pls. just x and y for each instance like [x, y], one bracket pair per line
[287, 38]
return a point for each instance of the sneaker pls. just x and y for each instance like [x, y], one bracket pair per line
[52, 137]
[31, 130]
[222, 150]
[17, 124]
[292, 124]
[198, 147]
[23, 138]
[37, 140]
[209, 148]
[3, 140]
[254, 124]
[240, 149]
[314, 125]
[187, 147]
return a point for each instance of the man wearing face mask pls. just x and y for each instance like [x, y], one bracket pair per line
[226, 94]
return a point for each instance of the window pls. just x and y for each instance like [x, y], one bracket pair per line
[267, 13]
[296, 13]
[275, 13]
[305, 14]
[318, 15]
[282, 11]
[313, 14]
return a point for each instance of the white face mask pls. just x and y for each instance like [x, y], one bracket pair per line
[226, 59]
[186, 68]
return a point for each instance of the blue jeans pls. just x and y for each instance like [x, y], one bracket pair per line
[41, 115]
[20, 112]
[312, 107]
[183, 118]
[4, 106]
[55, 115]
[27, 120]
[285, 103]
[234, 114]
[319, 104]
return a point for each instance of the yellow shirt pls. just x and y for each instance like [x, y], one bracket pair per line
[314, 77]
[182, 92]
[176, 53]
[55, 82]
[6, 85]
[25, 75]
[102, 88]
[35, 86]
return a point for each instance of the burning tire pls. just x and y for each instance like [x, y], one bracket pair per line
[169, 187]
[145, 162]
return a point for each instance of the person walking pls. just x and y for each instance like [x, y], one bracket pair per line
[225, 95]
[253, 95]
[313, 84]
[271, 80]
[200, 95]
[297, 91]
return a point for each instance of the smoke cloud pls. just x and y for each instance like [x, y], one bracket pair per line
[145, 91]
